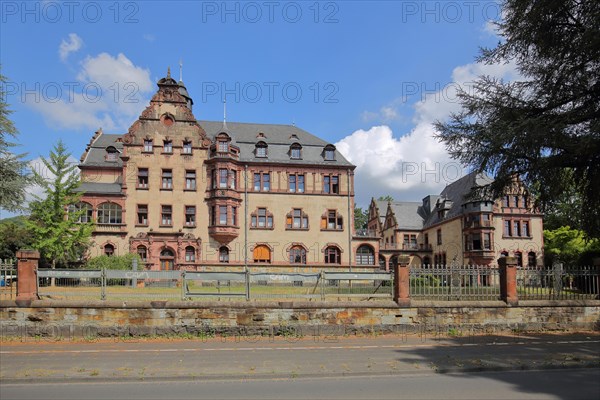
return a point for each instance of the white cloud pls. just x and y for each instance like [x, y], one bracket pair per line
[415, 164]
[109, 92]
[386, 113]
[68, 47]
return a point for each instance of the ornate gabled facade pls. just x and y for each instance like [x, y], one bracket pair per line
[185, 193]
[456, 228]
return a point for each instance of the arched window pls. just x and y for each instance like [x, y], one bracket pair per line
[519, 257]
[143, 253]
[365, 255]
[296, 151]
[261, 149]
[297, 255]
[109, 250]
[261, 254]
[223, 254]
[109, 213]
[531, 259]
[83, 212]
[166, 259]
[504, 254]
[333, 255]
[190, 254]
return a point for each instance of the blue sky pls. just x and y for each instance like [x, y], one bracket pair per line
[367, 76]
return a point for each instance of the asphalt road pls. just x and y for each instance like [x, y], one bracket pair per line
[522, 385]
[394, 366]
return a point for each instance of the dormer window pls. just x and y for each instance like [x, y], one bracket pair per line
[295, 151]
[261, 149]
[222, 146]
[112, 154]
[261, 135]
[167, 146]
[187, 147]
[329, 153]
[293, 136]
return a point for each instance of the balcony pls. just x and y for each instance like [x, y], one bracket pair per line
[366, 233]
[477, 224]
[407, 246]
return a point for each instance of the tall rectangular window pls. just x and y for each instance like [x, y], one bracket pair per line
[187, 147]
[167, 179]
[300, 183]
[331, 184]
[222, 215]
[292, 182]
[262, 182]
[167, 216]
[234, 216]
[507, 231]
[190, 215]
[167, 146]
[223, 173]
[487, 241]
[190, 180]
[222, 146]
[142, 178]
[525, 227]
[516, 228]
[142, 214]
[439, 236]
[232, 179]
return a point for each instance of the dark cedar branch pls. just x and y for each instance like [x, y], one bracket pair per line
[545, 127]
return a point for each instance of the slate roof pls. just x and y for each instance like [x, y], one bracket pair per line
[100, 188]
[457, 192]
[96, 155]
[278, 139]
[244, 135]
[407, 214]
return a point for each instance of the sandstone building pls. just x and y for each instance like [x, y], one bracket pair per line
[455, 228]
[185, 193]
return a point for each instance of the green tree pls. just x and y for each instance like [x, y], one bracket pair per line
[13, 237]
[360, 218]
[567, 245]
[545, 127]
[54, 221]
[14, 177]
[385, 198]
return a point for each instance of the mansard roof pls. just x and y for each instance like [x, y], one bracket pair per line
[95, 153]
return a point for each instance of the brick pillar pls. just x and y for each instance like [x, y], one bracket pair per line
[402, 282]
[508, 280]
[27, 263]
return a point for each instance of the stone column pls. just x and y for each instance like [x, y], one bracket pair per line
[508, 280]
[27, 263]
[402, 282]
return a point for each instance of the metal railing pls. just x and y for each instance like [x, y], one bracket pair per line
[8, 280]
[212, 285]
[558, 282]
[455, 283]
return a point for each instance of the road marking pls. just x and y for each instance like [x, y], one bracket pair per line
[348, 347]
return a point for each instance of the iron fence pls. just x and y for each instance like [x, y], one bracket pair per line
[8, 280]
[442, 282]
[212, 285]
[558, 282]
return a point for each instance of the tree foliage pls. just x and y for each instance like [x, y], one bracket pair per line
[385, 198]
[360, 218]
[54, 226]
[545, 127]
[14, 177]
[13, 237]
[124, 262]
[568, 246]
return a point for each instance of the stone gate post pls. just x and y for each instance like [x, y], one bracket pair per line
[508, 280]
[402, 282]
[27, 264]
